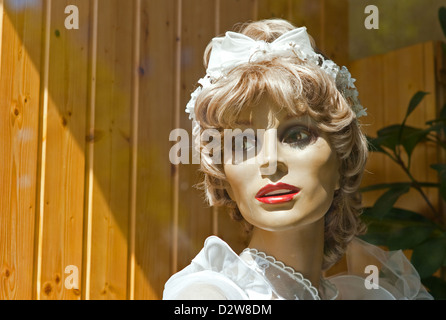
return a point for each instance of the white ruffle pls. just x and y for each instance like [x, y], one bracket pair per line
[217, 272]
[398, 279]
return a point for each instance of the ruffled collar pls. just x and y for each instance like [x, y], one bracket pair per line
[286, 282]
[257, 276]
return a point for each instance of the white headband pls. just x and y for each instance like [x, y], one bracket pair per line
[235, 49]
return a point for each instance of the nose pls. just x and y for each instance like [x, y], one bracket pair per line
[270, 161]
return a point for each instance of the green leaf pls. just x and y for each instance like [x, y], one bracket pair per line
[441, 121]
[410, 141]
[409, 237]
[388, 136]
[385, 203]
[409, 137]
[400, 229]
[378, 231]
[442, 18]
[428, 256]
[381, 186]
[436, 286]
[396, 134]
[407, 215]
[440, 167]
[414, 102]
[441, 118]
[374, 145]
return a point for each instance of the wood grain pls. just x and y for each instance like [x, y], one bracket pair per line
[111, 142]
[154, 211]
[64, 192]
[19, 122]
[368, 73]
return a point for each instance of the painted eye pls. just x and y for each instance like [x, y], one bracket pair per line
[298, 137]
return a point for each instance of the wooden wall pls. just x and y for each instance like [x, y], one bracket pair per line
[85, 117]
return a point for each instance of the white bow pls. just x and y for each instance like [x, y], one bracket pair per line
[235, 49]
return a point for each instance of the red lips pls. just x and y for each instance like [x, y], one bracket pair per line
[277, 193]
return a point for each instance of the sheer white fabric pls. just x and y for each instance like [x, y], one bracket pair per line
[217, 272]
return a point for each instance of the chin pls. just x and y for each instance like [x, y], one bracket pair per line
[279, 221]
[282, 219]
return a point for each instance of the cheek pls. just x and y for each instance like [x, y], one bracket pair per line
[325, 165]
[328, 172]
[237, 176]
[318, 169]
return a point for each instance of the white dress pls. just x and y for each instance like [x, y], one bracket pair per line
[217, 272]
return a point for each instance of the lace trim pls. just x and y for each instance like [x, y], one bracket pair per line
[299, 277]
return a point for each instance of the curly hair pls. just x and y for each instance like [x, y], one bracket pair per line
[301, 88]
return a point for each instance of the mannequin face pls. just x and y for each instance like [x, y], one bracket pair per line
[300, 189]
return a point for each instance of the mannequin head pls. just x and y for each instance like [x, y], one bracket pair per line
[320, 151]
[304, 160]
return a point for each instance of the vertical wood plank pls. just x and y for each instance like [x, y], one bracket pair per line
[371, 94]
[19, 114]
[392, 112]
[154, 211]
[111, 140]
[1, 31]
[89, 152]
[195, 217]
[307, 14]
[65, 154]
[334, 30]
[233, 13]
[136, 48]
[267, 9]
[44, 100]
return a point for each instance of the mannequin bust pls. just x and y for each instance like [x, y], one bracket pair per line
[296, 180]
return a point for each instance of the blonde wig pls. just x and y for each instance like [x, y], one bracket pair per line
[301, 88]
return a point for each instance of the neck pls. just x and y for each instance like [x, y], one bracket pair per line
[301, 248]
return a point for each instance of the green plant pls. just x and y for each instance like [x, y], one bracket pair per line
[403, 229]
